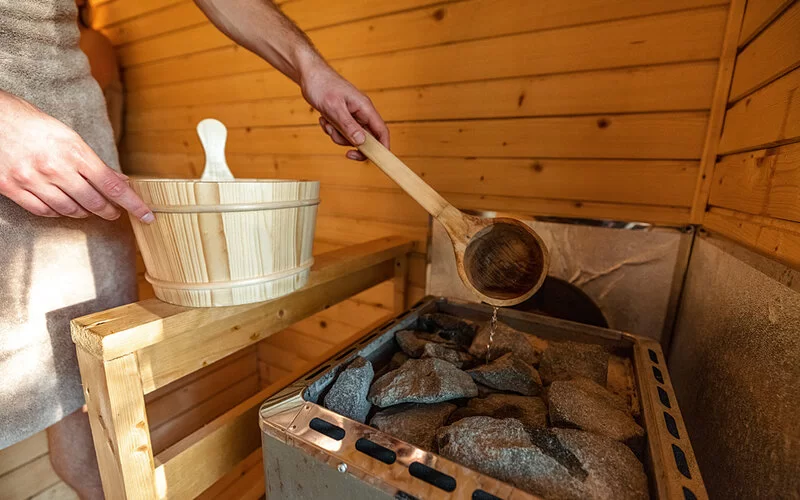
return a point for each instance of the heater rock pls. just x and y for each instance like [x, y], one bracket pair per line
[348, 394]
[414, 423]
[397, 360]
[509, 373]
[413, 342]
[608, 469]
[427, 380]
[562, 464]
[530, 411]
[449, 328]
[506, 340]
[583, 404]
[439, 351]
[567, 360]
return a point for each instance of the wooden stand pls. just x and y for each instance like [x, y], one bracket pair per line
[130, 351]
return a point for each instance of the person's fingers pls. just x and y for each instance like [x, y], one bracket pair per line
[334, 134]
[368, 116]
[114, 188]
[31, 203]
[87, 196]
[56, 199]
[346, 124]
[355, 155]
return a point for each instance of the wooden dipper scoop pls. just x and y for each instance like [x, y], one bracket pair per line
[501, 260]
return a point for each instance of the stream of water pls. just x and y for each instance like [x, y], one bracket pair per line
[492, 329]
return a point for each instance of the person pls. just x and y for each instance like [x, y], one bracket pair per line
[66, 251]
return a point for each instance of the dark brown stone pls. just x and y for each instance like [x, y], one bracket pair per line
[568, 360]
[530, 411]
[509, 373]
[414, 423]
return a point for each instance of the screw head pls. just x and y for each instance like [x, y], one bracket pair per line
[342, 467]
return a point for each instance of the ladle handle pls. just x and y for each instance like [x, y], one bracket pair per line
[411, 183]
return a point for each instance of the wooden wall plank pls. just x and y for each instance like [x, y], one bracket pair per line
[109, 13]
[741, 182]
[717, 114]
[630, 42]
[180, 426]
[23, 452]
[436, 25]
[28, 480]
[651, 136]
[784, 195]
[777, 239]
[768, 116]
[171, 18]
[661, 181]
[218, 489]
[773, 53]
[59, 491]
[683, 86]
[763, 182]
[758, 15]
[163, 409]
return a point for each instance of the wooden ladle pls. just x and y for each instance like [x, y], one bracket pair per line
[501, 260]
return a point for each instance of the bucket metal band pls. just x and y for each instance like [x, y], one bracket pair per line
[240, 207]
[219, 285]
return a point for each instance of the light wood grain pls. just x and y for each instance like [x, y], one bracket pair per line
[684, 86]
[120, 431]
[763, 182]
[631, 42]
[775, 238]
[23, 452]
[28, 480]
[645, 136]
[758, 15]
[718, 106]
[129, 328]
[768, 116]
[239, 473]
[657, 182]
[773, 53]
[214, 253]
[435, 25]
[59, 491]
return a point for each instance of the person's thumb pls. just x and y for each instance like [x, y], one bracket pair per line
[348, 126]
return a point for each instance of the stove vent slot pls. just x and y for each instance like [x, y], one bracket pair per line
[432, 476]
[376, 451]
[327, 428]
[482, 495]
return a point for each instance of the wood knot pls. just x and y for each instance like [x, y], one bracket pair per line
[537, 167]
[438, 14]
[603, 123]
[520, 100]
[323, 324]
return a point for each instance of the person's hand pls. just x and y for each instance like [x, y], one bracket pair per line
[346, 112]
[47, 169]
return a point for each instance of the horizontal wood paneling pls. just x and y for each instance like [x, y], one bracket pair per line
[771, 54]
[436, 25]
[23, 452]
[639, 41]
[772, 237]
[28, 480]
[685, 86]
[758, 15]
[654, 135]
[768, 116]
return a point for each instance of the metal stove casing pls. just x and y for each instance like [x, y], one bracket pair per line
[313, 453]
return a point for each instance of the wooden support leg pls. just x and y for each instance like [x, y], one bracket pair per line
[400, 283]
[115, 400]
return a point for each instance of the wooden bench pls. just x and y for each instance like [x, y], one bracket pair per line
[130, 351]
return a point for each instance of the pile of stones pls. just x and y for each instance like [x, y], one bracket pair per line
[532, 413]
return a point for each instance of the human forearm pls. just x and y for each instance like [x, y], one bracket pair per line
[261, 27]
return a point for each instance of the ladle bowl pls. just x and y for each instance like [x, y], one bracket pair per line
[502, 261]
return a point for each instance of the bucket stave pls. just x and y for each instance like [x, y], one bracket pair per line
[227, 242]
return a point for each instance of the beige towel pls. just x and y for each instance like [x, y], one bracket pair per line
[52, 270]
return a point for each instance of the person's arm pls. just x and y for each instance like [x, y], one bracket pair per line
[47, 169]
[259, 26]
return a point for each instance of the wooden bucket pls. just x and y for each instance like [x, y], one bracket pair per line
[228, 242]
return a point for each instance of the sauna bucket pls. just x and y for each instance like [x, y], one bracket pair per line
[223, 243]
